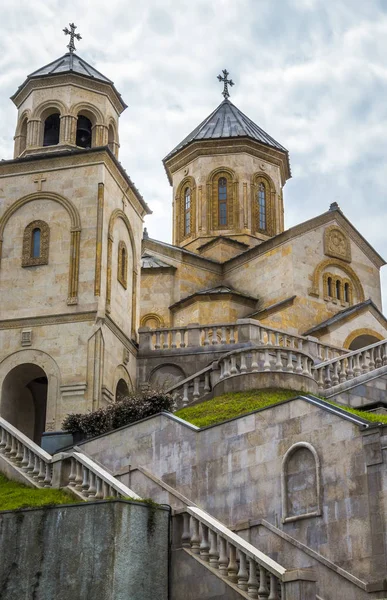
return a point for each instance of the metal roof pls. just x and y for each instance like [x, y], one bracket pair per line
[343, 314]
[69, 62]
[227, 121]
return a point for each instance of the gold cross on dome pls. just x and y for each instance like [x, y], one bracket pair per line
[39, 181]
[227, 82]
[73, 35]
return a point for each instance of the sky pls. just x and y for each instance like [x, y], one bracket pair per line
[311, 73]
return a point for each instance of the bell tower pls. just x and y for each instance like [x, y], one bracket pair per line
[70, 244]
[66, 104]
[227, 177]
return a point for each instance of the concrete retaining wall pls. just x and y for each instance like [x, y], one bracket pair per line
[103, 550]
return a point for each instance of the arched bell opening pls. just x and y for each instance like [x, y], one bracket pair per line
[23, 136]
[24, 400]
[111, 138]
[84, 132]
[51, 130]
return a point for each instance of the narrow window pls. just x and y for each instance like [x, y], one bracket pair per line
[222, 200]
[338, 289]
[262, 206]
[347, 295]
[51, 130]
[329, 285]
[187, 211]
[36, 234]
[122, 267]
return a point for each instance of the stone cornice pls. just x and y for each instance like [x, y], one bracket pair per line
[47, 320]
[228, 146]
[335, 216]
[117, 331]
[67, 79]
[77, 158]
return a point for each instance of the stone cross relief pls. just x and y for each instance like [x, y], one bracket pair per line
[39, 181]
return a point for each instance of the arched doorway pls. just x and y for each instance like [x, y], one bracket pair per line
[122, 390]
[24, 400]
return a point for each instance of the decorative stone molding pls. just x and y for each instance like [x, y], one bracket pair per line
[122, 264]
[149, 317]
[270, 193]
[26, 337]
[75, 221]
[286, 516]
[48, 320]
[188, 182]
[119, 214]
[336, 243]
[358, 332]
[98, 240]
[232, 199]
[314, 290]
[28, 259]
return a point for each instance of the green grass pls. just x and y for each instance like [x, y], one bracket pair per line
[236, 404]
[16, 495]
[372, 417]
[232, 405]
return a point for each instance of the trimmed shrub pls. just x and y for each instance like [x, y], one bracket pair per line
[127, 410]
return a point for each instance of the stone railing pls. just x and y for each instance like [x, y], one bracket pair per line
[23, 453]
[265, 359]
[92, 481]
[353, 364]
[88, 479]
[191, 335]
[218, 336]
[193, 387]
[244, 567]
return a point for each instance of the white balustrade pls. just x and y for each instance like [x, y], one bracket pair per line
[265, 359]
[237, 561]
[93, 482]
[192, 388]
[331, 373]
[24, 454]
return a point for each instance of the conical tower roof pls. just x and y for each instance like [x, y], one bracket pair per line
[227, 121]
[67, 64]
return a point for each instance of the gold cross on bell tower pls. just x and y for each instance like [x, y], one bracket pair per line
[227, 82]
[73, 35]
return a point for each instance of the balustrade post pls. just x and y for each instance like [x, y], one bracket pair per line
[242, 572]
[378, 357]
[254, 361]
[3, 441]
[182, 338]
[232, 568]
[223, 558]
[196, 390]
[289, 366]
[328, 382]
[226, 367]
[278, 363]
[232, 334]
[371, 363]
[173, 338]
[223, 338]
[243, 362]
[234, 369]
[263, 591]
[78, 476]
[185, 394]
[343, 370]
[357, 367]
[204, 544]
[207, 387]
[266, 364]
[213, 552]
[350, 368]
[195, 537]
[157, 342]
[206, 341]
[99, 491]
[299, 364]
[85, 480]
[252, 583]
[194, 334]
[273, 588]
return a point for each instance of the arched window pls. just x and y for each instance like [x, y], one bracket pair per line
[36, 240]
[300, 479]
[222, 201]
[84, 127]
[51, 130]
[262, 206]
[35, 249]
[187, 211]
[329, 285]
[23, 136]
[338, 289]
[122, 267]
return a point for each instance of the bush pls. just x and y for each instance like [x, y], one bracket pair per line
[126, 410]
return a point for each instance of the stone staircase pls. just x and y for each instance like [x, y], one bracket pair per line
[244, 569]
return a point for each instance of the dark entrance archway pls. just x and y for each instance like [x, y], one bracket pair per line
[24, 400]
[363, 340]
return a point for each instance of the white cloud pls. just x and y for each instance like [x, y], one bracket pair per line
[311, 73]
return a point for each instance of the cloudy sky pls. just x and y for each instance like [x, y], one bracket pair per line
[312, 73]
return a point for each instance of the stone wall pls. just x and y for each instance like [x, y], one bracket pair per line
[95, 550]
[233, 470]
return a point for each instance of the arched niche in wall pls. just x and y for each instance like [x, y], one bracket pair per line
[165, 376]
[300, 483]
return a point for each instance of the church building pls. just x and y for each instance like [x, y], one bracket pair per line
[82, 288]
